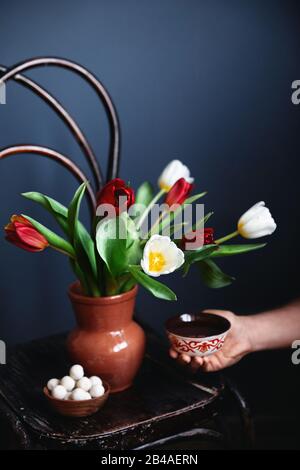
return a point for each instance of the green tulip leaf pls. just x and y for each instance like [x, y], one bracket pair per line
[230, 250]
[212, 275]
[56, 209]
[60, 213]
[126, 283]
[133, 245]
[88, 246]
[111, 244]
[194, 198]
[53, 239]
[73, 211]
[80, 276]
[82, 241]
[199, 254]
[156, 288]
[144, 194]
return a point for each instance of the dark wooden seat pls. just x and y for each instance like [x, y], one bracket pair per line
[162, 405]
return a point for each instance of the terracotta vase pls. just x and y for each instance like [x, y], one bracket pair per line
[107, 342]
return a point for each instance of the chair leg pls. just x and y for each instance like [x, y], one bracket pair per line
[245, 414]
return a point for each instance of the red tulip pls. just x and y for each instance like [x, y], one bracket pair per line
[111, 193]
[179, 192]
[21, 233]
[201, 237]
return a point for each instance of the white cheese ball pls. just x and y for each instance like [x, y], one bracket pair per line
[59, 392]
[95, 380]
[51, 384]
[76, 372]
[84, 383]
[97, 391]
[68, 383]
[68, 396]
[79, 394]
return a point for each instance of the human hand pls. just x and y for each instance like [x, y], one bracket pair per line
[237, 344]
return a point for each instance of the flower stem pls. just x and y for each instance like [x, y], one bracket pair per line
[62, 251]
[156, 223]
[227, 237]
[148, 209]
[88, 283]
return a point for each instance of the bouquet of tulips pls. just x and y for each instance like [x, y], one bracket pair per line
[122, 249]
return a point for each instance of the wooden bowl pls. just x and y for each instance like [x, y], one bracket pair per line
[80, 408]
[199, 334]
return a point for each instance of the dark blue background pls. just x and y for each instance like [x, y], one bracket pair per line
[208, 82]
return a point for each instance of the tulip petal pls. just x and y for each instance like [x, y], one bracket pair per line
[20, 219]
[256, 222]
[114, 192]
[14, 240]
[179, 192]
[161, 247]
[252, 212]
[172, 173]
[31, 237]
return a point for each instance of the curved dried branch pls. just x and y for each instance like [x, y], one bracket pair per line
[60, 158]
[69, 121]
[114, 149]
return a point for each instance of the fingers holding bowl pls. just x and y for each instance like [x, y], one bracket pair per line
[195, 337]
[183, 359]
[173, 354]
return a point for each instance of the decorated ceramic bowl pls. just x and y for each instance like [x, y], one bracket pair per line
[199, 334]
[80, 408]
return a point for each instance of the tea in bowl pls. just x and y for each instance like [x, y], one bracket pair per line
[199, 334]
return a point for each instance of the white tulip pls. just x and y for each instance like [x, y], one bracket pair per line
[256, 222]
[172, 173]
[161, 256]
